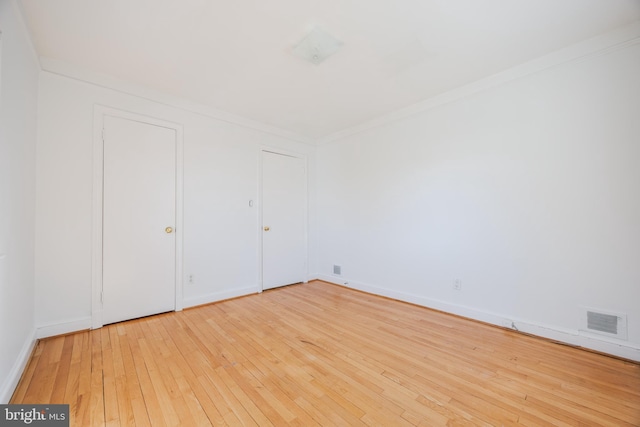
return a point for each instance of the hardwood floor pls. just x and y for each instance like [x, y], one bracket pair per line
[320, 354]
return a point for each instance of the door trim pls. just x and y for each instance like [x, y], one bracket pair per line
[304, 158]
[99, 113]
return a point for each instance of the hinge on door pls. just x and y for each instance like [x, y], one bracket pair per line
[103, 134]
[101, 296]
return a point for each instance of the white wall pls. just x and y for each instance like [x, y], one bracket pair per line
[18, 102]
[529, 193]
[221, 231]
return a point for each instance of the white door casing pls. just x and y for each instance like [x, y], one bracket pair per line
[284, 223]
[137, 195]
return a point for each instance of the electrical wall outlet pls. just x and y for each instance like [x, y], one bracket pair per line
[457, 285]
[192, 279]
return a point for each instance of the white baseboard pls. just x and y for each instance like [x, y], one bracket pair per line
[9, 385]
[567, 336]
[220, 296]
[80, 324]
[66, 327]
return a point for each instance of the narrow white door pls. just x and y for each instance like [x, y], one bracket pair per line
[284, 253]
[139, 211]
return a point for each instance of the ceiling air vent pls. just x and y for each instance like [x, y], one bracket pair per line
[605, 323]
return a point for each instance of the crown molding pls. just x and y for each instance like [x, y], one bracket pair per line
[74, 72]
[620, 38]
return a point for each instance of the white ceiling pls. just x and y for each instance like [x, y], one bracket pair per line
[235, 56]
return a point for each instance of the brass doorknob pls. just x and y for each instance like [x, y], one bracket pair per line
[267, 229]
[168, 230]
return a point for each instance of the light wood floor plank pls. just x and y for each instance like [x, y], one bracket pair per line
[27, 376]
[95, 399]
[320, 354]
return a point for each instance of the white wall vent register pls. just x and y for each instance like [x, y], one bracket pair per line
[605, 323]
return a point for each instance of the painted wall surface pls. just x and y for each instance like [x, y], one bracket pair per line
[528, 193]
[221, 176]
[18, 112]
